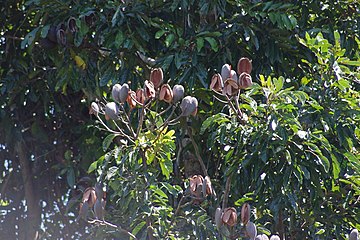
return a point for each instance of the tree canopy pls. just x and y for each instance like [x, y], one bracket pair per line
[287, 143]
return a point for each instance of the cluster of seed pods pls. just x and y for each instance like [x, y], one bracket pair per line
[154, 88]
[229, 82]
[200, 187]
[94, 198]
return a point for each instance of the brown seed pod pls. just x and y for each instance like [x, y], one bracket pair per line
[217, 83]
[218, 217]
[251, 231]
[157, 77]
[94, 109]
[111, 111]
[233, 75]
[229, 216]
[274, 237]
[149, 89]
[231, 87]
[61, 37]
[166, 93]
[71, 25]
[124, 93]
[140, 95]
[244, 65]
[225, 71]
[115, 92]
[245, 213]
[354, 234]
[178, 93]
[245, 80]
[262, 237]
[209, 189]
[189, 106]
[130, 99]
[196, 185]
[89, 197]
[195, 181]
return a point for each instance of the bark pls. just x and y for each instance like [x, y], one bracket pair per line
[32, 221]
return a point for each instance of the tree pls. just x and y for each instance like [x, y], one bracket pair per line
[58, 57]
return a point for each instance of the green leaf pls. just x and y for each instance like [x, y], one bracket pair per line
[351, 63]
[169, 39]
[166, 167]
[160, 192]
[353, 160]
[138, 227]
[29, 38]
[119, 39]
[159, 34]
[213, 43]
[44, 31]
[217, 118]
[199, 43]
[70, 177]
[107, 141]
[279, 83]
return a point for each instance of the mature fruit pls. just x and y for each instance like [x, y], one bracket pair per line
[61, 37]
[71, 25]
[262, 237]
[178, 93]
[130, 99]
[111, 111]
[354, 234]
[244, 65]
[229, 216]
[124, 92]
[245, 213]
[89, 196]
[140, 95]
[245, 80]
[94, 108]
[231, 87]
[251, 230]
[217, 83]
[233, 75]
[226, 71]
[195, 181]
[166, 93]
[98, 209]
[188, 106]
[115, 92]
[274, 237]
[207, 188]
[149, 89]
[157, 77]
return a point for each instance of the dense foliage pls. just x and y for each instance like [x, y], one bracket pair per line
[293, 155]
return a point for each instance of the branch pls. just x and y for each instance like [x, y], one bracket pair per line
[105, 223]
[227, 191]
[197, 152]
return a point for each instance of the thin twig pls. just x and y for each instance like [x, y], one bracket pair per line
[197, 152]
[129, 127]
[227, 191]
[174, 215]
[164, 125]
[105, 223]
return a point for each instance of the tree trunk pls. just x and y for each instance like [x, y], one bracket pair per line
[32, 221]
